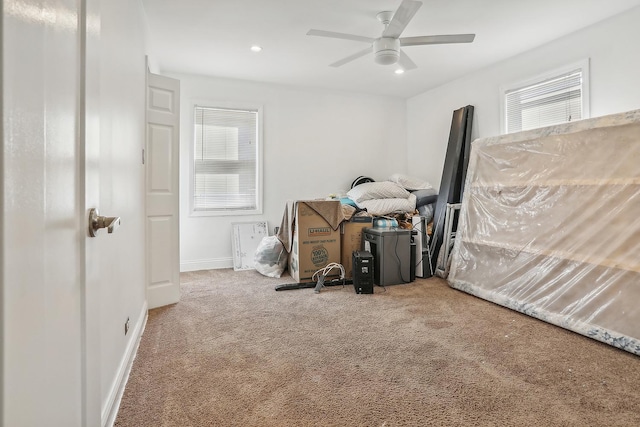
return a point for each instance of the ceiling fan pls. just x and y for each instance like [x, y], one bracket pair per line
[386, 48]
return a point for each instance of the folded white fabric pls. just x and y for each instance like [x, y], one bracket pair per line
[377, 190]
[409, 182]
[379, 207]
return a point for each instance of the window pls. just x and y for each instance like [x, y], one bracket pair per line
[226, 161]
[554, 98]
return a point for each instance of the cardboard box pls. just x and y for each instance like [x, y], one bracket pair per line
[351, 240]
[315, 244]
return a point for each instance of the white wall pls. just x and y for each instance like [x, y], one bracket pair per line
[615, 67]
[316, 142]
[366, 135]
[122, 137]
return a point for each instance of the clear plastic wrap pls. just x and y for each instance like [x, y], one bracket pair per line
[550, 226]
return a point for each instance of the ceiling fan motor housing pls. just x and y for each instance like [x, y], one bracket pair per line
[386, 50]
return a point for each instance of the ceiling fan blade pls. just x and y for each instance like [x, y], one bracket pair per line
[350, 58]
[401, 18]
[406, 63]
[334, 35]
[422, 40]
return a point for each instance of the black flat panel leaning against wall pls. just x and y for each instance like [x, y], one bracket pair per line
[453, 174]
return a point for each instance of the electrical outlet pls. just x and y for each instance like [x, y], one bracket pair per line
[126, 326]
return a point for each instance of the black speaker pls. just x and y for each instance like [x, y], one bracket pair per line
[362, 272]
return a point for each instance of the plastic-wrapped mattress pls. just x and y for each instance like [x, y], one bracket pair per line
[550, 226]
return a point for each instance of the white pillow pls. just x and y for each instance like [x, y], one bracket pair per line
[381, 207]
[409, 182]
[377, 190]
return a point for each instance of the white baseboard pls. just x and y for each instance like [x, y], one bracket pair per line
[206, 264]
[110, 410]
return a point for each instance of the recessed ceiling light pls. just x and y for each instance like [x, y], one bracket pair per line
[256, 48]
[399, 71]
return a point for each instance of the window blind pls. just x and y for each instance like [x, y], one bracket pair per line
[550, 102]
[225, 159]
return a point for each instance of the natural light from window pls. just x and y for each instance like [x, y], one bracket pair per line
[547, 100]
[225, 160]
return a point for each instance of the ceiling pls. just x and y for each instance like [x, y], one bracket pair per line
[213, 37]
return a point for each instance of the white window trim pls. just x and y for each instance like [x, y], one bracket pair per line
[583, 65]
[259, 167]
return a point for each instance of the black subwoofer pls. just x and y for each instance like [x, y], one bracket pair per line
[362, 272]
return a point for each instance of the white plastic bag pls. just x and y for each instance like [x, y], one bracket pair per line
[270, 259]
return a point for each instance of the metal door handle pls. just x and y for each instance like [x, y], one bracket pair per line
[96, 222]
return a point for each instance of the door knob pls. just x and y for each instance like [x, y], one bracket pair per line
[96, 222]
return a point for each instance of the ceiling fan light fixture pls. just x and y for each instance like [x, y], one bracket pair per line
[386, 50]
[387, 57]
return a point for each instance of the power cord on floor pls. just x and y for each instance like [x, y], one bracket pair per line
[321, 274]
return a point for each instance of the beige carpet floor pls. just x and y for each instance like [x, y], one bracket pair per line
[233, 352]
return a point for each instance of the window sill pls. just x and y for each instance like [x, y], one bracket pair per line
[240, 212]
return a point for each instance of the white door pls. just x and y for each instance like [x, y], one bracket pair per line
[43, 221]
[162, 190]
[90, 248]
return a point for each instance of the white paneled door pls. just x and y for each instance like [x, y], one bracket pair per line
[162, 190]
